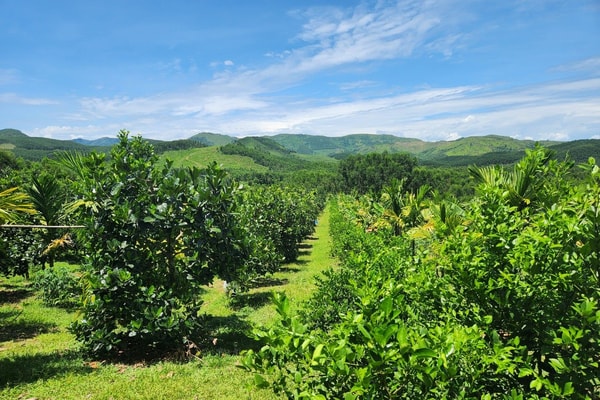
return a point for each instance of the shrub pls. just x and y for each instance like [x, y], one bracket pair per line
[58, 286]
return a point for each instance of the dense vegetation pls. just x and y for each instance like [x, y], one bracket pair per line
[165, 233]
[370, 172]
[500, 298]
[454, 282]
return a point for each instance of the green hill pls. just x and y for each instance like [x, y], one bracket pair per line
[212, 139]
[201, 157]
[35, 148]
[351, 144]
[266, 152]
[285, 152]
[481, 150]
[578, 150]
[104, 141]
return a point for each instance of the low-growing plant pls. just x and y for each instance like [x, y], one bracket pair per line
[59, 286]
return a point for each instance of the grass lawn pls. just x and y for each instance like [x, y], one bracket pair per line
[39, 358]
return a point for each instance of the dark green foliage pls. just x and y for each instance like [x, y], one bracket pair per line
[448, 181]
[577, 150]
[491, 158]
[161, 146]
[19, 250]
[276, 220]
[154, 236]
[370, 172]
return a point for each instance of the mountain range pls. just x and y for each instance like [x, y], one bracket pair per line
[465, 151]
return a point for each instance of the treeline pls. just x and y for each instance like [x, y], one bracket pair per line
[265, 152]
[356, 173]
[181, 144]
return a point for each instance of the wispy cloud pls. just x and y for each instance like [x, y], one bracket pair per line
[590, 65]
[13, 98]
[8, 76]
[245, 99]
[336, 37]
[329, 39]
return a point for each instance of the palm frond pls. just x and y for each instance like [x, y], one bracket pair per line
[13, 202]
[61, 242]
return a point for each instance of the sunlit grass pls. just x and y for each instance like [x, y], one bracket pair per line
[296, 280]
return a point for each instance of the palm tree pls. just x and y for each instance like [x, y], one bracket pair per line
[47, 197]
[414, 204]
[392, 198]
[441, 218]
[403, 209]
[522, 185]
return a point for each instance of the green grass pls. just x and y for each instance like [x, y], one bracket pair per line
[39, 358]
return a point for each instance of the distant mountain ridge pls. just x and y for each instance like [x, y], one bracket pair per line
[34, 148]
[212, 139]
[104, 141]
[465, 151]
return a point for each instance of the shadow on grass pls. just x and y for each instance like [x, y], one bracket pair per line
[268, 281]
[14, 294]
[287, 268]
[305, 246]
[30, 368]
[301, 262]
[251, 300]
[14, 328]
[228, 335]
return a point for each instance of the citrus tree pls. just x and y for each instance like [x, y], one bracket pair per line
[154, 235]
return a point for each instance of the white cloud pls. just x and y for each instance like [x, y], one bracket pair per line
[556, 110]
[340, 37]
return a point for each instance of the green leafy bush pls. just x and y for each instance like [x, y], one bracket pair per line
[19, 250]
[58, 286]
[154, 235]
[504, 303]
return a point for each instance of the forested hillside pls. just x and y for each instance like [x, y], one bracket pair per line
[273, 150]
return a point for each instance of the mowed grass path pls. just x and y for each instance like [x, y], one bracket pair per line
[39, 358]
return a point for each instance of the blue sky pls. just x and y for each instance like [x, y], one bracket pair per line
[430, 69]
